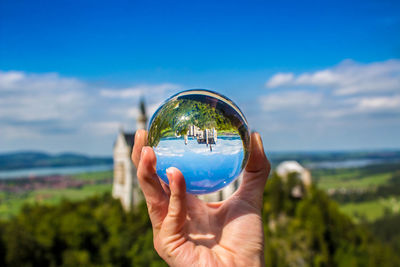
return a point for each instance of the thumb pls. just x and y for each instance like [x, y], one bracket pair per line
[258, 161]
[256, 172]
[176, 216]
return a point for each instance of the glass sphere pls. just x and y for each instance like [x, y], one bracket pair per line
[204, 135]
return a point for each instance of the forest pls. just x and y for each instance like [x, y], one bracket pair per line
[306, 231]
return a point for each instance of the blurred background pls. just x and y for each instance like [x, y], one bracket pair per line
[319, 80]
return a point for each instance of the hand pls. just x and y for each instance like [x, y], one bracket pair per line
[190, 232]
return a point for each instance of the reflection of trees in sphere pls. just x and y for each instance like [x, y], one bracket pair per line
[205, 135]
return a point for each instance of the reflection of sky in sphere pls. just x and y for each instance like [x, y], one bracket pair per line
[205, 171]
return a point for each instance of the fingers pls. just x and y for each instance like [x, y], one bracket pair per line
[140, 142]
[156, 199]
[165, 188]
[176, 216]
[256, 173]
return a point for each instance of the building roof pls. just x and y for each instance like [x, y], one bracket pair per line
[129, 139]
[287, 167]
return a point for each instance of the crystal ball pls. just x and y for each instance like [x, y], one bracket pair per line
[203, 134]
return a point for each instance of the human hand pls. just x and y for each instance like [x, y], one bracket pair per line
[190, 232]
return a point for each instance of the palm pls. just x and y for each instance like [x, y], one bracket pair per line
[214, 234]
[190, 232]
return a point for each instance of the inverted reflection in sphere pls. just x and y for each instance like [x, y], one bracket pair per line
[204, 135]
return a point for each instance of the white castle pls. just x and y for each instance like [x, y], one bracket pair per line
[125, 184]
[208, 136]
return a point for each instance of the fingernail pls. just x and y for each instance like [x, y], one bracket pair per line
[169, 175]
[143, 152]
[169, 171]
[259, 141]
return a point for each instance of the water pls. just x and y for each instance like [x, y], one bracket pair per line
[351, 163]
[205, 171]
[53, 171]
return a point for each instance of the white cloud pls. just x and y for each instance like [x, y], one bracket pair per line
[125, 93]
[290, 100]
[347, 78]
[280, 79]
[103, 127]
[138, 91]
[48, 105]
[347, 89]
[9, 79]
[30, 98]
[378, 103]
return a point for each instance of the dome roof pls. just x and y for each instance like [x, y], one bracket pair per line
[286, 167]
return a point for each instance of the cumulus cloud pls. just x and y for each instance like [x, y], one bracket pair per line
[39, 101]
[290, 100]
[123, 103]
[138, 91]
[347, 78]
[280, 79]
[46, 105]
[379, 103]
[103, 127]
[349, 88]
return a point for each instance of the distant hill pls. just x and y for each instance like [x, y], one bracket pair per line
[24, 160]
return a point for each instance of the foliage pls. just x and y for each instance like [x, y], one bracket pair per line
[94, 232]
[307, 231]
[177, 115]
[313, 232]
[387, 229]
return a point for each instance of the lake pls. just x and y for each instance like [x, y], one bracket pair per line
[351, 163]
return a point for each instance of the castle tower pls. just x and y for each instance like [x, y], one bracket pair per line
[125, 184]
[141, 122]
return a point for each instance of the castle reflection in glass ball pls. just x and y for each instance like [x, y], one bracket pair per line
[204, 135]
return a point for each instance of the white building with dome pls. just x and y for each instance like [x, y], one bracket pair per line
[286, 168]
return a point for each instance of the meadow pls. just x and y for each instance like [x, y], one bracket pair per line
[72, 187]
[365, 193]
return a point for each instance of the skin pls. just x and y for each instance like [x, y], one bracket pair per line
[190, 232]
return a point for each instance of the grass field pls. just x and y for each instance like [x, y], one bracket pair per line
[359, 179]
[93, 176]
[349, 180]
[372, 210]
[11, 203]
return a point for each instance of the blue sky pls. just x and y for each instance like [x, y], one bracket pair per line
[309, 75]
